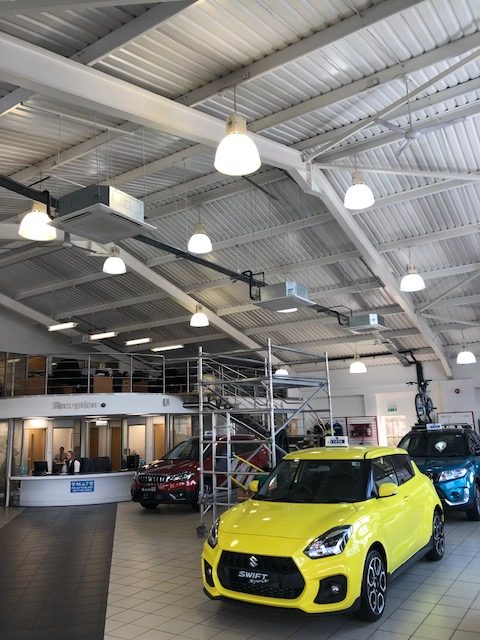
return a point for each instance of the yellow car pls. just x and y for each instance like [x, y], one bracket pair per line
[326, 532]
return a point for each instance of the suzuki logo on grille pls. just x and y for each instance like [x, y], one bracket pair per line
[252, 561]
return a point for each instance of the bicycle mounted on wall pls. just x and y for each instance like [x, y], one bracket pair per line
[423, 403]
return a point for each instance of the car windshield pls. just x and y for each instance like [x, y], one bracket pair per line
[316, 481]
[186, 450]
[435, 444]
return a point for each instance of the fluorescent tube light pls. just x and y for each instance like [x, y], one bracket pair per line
[62, 326]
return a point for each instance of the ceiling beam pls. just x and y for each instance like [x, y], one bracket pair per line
[108, 306]
[16, 7]
[62, 284]
[426, 238]
[35, 68]
[89, 56]
[323, 38]
[451, 271]
[326, 99]
[354, 128]
[458, 301]
[289, 268]
[440, 175]
[256, 236]
[185, 300]
[200, 339]
[416, 193]
[153, 324]
[315, 182]
[250, 73]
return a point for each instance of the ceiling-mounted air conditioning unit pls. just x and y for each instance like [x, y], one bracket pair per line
[365, 322]
[284, 295]
[101, 213]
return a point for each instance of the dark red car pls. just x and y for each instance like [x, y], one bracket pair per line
[176, 478]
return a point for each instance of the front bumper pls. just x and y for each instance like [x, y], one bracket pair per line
[169, 493]
[323, 585]
[455, 496]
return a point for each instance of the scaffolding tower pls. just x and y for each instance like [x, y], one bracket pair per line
[243, 406]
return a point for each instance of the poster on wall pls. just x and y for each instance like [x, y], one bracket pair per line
[448, 418]
[362, 430]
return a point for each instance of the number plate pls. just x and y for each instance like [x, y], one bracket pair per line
[148, 489]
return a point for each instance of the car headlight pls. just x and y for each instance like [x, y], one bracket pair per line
[213, 535]
[329, 544]
[452, 474]
[180, 477]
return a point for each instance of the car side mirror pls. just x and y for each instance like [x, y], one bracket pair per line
[253, 486]
[387, 489]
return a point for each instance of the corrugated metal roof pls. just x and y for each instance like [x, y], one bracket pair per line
[199, 45]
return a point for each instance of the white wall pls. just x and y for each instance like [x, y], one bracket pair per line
[19, 335]
[384, 387]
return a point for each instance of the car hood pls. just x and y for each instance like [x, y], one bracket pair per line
[170, 466]
[435, 465]
[285, 520]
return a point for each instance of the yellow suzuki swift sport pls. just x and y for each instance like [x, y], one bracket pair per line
[326, 532]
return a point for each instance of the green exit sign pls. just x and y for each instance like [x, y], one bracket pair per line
[392, 409]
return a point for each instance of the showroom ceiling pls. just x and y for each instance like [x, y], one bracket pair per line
[311, 77]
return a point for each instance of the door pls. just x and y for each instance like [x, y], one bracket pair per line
[93, 442]
[396, 519]
[159, 440]
[35, 446]
[116, 448]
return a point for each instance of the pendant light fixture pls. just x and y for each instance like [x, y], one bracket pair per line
[35, 224]
[237, 153]
[359, 195]
[199, 242]
[357, 366]
[199, 318]
[281, 372]
[114, 265]
[412, 281]
[464, 356]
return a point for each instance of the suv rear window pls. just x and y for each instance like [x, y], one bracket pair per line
[434, 444]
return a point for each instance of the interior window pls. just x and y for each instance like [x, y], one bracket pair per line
[403, 468]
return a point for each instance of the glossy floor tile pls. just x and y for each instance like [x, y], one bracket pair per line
[155, 591]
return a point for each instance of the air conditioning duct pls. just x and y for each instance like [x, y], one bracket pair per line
[284, 295]
[365, 322]
[101, 213]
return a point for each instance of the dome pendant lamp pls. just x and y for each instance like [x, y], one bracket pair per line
[199, 318]
[237, 153]
[412, 281]
[114, 265]
[357, 366]
[199, 242]
[359, 196]
[466, 357]
[34, 224]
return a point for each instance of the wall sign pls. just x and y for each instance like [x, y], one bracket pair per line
[392, 408]
[82, 486]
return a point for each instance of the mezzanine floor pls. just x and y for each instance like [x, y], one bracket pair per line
[154, 590]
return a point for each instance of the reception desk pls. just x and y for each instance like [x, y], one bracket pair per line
[71, 490]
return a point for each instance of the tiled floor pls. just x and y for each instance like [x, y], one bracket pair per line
[156, 594]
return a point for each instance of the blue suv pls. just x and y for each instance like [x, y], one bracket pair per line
[451, 457]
